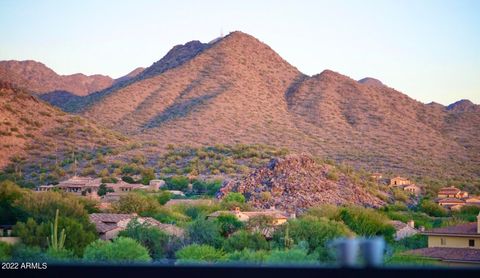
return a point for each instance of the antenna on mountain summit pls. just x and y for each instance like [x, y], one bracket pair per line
[221, 32]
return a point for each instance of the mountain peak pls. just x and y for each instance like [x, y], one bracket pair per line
[370, 81]
[461, 105]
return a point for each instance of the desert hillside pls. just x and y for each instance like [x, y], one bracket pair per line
[38, 78]
[238, 90]
[31, 129]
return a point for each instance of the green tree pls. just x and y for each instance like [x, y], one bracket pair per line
[199, 254]
[234, 197]
[177, 183]
[120, 250]
[202, 231]
[148, 174]
[244, 240]
[368, 222]
[155, 240]
[31, 233]
[128, 179]
[163, 197]
[228, 224]
[315, 232]
[136, 203]
[433, 209]
[10, 193]
[103, 190]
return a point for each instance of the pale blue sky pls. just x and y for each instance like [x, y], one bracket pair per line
[429, 50]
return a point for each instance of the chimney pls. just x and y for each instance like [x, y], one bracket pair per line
[411, 223]
[478, 223]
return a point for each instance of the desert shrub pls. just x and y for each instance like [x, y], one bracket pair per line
[206, 187]
[244, 240]
[59, 255]
[166, 215]
[248, 256]
[23, 253]
[89, 171]
[130, 169]
[331, 212]
[332, 175]
[265, 196]
[5, 251]
[121, 249]
[195, 253]
[291, 256]
[233, 200]
[400, 195]
[403, 259]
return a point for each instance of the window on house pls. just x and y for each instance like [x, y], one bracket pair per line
[471, 242]
[443, 241]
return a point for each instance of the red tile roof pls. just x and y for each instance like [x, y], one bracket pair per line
[463, 229]
[451, 200]
[449, 254]
[445, 190]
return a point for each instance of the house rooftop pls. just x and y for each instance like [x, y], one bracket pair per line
[451, 200]
[449, 189]
[449, 254]
[463, 229]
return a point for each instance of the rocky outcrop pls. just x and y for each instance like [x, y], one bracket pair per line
[296, 183]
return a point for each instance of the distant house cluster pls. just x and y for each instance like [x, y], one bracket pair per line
[89, 187]
[406, 185]
[454, 198]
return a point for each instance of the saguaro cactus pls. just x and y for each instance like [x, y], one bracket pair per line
[55, 242]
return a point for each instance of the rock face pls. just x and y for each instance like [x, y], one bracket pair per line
[296, 183]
